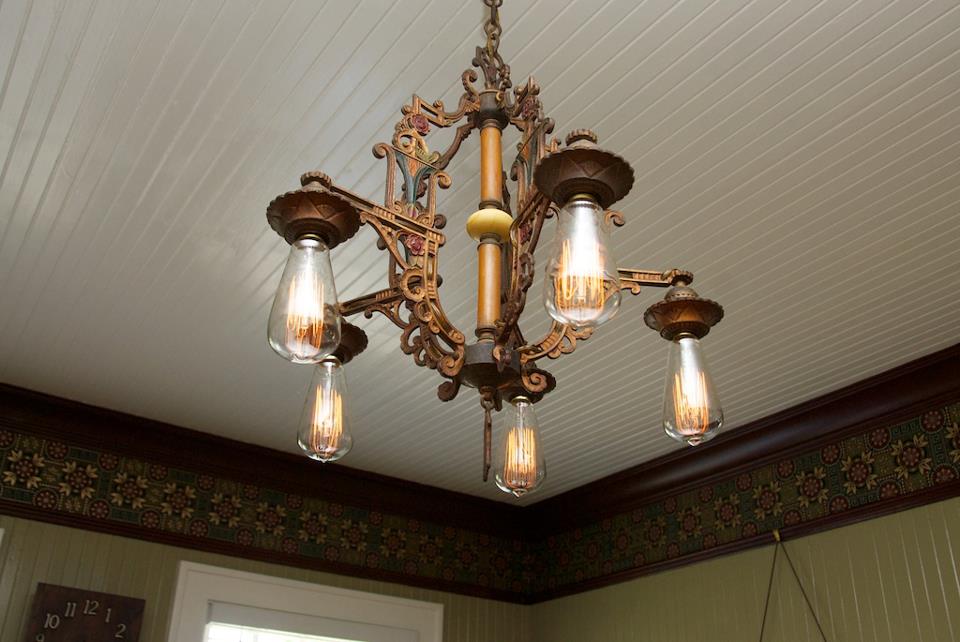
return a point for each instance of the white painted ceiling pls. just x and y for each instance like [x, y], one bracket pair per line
[803, 158]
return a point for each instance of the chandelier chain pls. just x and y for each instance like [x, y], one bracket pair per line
[496, 72]
[492, 27]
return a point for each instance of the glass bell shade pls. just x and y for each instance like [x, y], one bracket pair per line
[582, 284]
[691, 407]
[518, 462]
[304, 322]
[324, 433]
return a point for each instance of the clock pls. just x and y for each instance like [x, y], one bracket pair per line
[64, 614]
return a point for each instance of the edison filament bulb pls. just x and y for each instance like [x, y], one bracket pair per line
[582, 284]
[304, 322]
[691, 407]
[324, 432]
[519, 464]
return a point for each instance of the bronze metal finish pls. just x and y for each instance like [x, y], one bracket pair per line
[311, 210]
[582, 167]
[489, 403]
[683, 311]
[353, 341]
[483, 370]
[633, 279]
[502, 363]
[496, 73]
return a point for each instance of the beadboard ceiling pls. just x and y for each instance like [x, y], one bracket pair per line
[801, 157]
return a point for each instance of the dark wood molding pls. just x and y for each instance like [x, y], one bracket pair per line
[899, 395]
[95, 427]
[788, 533]
[248, 552]
[883, 399]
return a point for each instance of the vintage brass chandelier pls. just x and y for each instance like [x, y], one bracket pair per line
[576, 184]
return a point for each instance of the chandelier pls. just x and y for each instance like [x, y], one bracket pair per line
[576, 184]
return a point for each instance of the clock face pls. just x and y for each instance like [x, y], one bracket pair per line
[64, 614]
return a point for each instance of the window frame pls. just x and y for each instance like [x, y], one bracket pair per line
[200, 584]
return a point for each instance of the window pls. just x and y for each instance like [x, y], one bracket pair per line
[233, 633]
[221, 605]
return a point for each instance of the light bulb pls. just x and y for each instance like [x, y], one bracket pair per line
[691, 408]
[582, 284]
[324, 434]
[519, 462]
[304, 323]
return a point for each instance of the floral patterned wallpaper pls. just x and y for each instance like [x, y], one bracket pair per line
[100, 486]
[881, 464]
[96, 487]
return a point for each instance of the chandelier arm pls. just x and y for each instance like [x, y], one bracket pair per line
[369, 301]
[632, 279]
[562, 339]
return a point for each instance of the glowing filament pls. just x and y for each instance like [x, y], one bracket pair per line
[580, 286]
[520, 462]
[690, 402]
[305, 314]
[326, 424]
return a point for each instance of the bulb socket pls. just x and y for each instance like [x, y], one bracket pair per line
[353, 341]
[582, 167]
[683, 312]
[312, 210]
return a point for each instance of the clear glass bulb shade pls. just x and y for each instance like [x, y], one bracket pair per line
[518, 462]
[324, 433]
[691, 407]
[304, 322]
[582, 284]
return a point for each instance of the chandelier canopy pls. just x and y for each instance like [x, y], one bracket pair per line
[576, 183]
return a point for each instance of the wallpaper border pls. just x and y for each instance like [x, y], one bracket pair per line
[885, 444]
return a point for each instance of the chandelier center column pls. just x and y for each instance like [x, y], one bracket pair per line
[490, 225]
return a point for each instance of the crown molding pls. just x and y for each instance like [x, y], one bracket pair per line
[883, 399]
[658, 515]
[123, 433]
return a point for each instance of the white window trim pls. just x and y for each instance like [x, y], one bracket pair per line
[199, 584]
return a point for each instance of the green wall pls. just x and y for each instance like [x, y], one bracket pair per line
[33, 552]
[891, 579]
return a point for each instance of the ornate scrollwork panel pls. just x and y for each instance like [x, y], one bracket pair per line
[561, 339]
